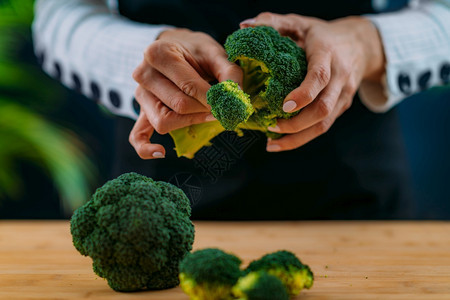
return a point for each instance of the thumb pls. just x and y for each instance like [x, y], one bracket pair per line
[292, 25]
[223, 69]
[265, 18]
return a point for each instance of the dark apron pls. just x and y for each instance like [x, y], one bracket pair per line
[357, 170]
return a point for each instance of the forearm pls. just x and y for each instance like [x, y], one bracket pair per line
[91, 50]
[416, 44]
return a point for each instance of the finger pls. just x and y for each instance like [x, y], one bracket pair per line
[347, 94]
[345, 99]
[291, 25]
[284, 24]
[178, 66]
[167, 91]
[222, 68]
[317, 78]
[293, 141]
[321, 108]
[162, 118]
[140, 140]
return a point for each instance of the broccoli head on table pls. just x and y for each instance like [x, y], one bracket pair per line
[287, 267]
[212, 274]
[209, 274]
[260, 285]
[272, 65]
[136, 230]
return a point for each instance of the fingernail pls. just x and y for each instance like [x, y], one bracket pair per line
[248, 22]
[210, 118]
[273, 148]
[274, 128]
[289, 106]
[158, 154]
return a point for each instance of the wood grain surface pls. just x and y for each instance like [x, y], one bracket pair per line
[350, 260]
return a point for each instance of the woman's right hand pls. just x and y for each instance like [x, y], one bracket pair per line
[173, 80]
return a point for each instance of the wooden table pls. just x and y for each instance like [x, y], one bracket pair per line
[350, 260]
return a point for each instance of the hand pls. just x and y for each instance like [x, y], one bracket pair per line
[340, 54]
[173, 81]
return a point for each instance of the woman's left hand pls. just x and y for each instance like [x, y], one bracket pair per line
[340, 54]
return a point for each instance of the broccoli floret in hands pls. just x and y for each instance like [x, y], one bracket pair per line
[260, 286]
[273, 66]
[287, 267]
[136, 230]
[229, 104]
[209, 274]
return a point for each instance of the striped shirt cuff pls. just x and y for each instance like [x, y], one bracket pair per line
[89, 49]
[417, 47]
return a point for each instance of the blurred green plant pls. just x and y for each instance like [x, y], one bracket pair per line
[25, 135]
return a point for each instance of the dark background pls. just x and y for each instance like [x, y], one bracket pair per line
[425, 123]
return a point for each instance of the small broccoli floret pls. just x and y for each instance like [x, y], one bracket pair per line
[209, 274]
[229, 104]
[287, 267]
[136, 230]
[272, 66]
[260, 286]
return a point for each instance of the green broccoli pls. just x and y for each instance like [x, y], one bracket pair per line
[188, 140]
[136, 230]
[209, 274]
[287, 267]
[260, 286]
[273, 66]
[229, 104]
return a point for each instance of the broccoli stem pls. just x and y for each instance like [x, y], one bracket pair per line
[256, 79]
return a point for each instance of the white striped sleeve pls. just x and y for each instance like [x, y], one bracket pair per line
[416, 42]
[89, 49]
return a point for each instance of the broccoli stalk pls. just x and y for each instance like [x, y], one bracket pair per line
[188, 140]
[272, 66]
[136, 230]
